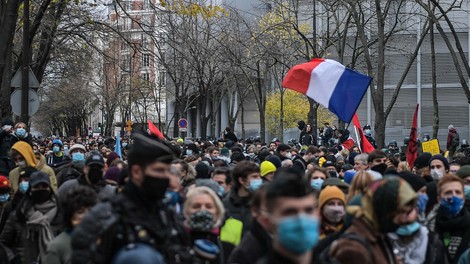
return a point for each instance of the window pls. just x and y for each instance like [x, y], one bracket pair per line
[145, 60]
[162, 78]
[146, 76]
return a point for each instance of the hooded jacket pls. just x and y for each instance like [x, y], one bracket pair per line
[40, 166]
[372, 223]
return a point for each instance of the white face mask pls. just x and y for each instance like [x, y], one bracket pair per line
[333, 213]
[436, 174]
[21, 164]
[289, 155]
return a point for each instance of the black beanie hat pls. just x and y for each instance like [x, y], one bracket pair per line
[441, 158]
[422, 160]
[414, 180]
[464, 171]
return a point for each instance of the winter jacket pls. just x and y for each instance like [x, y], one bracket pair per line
[59, 250]
[7, 140]
[453, 140]
[308, 139]
[454, 233]
[15, 175]
[254, 245]
[103, 190]
[69, 171]
[379, 250]
[15, 237]
[238, 220]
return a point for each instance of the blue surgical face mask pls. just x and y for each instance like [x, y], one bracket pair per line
[255, 184]
[408, 230]
[20, 132]
[298, 234]
[172, 198]
[78, 156]
[55, 149]
[422, 202]
[221, 191]
[451, 206]
[23, 186]
[316, 183]
[189, 152]
[466, 190]
[4, 197]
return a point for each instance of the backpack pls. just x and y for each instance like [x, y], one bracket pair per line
[324, 256]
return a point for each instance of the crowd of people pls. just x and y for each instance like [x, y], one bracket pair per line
[81, 200]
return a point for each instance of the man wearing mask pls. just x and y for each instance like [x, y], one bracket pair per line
[246, 180]
[439, 166]
[137, 215]
[452, 221]
[92, 177]
[292, 219]
[368, 133]
[23, 155]
[464, 174]
[35, 222]
[7, 137]
[387, 205]
[73, 169]
[283, 152]
[414, 243]
[332, 209]
[57, 156]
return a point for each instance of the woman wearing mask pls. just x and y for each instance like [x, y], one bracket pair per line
[79, 201]
[332, 210]
[204, 212]
[22, 134]
[316, 176]
[34, 223]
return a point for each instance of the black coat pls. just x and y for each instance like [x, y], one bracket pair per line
[456, 232]
[254, 245]
[127, 219]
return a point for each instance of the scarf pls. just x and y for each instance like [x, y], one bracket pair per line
[38, 219]
[414, 251]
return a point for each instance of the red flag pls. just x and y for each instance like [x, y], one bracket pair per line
[153, 130]
[412, 153]
[366, 147]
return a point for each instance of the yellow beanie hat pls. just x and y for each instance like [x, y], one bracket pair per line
[331, 192]
[267, 167]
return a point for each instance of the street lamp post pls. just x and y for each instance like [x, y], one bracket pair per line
[25, 66]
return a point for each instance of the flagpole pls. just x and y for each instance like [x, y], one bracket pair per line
[358, 139]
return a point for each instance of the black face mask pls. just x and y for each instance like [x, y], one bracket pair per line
[95, 175]
[155, 188]
[40, 196]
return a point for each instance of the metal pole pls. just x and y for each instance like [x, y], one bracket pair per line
[25, 66]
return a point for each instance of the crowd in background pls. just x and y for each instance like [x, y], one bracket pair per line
[150, 200]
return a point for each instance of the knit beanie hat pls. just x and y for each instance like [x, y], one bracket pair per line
[422, 160]
[111, 157]
[441, 158]
[112, 174]
[330, 192]
[464, 172]
[416, 182]
[274, 160]
[267, 167]
[386, 197]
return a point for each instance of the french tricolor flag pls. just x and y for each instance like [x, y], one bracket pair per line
[330, 84]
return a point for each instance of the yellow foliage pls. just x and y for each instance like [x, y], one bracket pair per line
[295, 107]
[194, 9]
